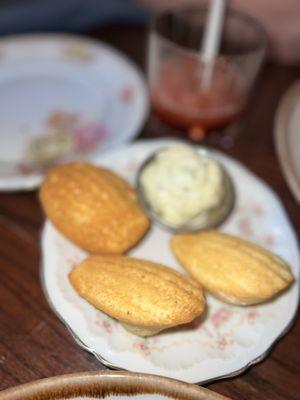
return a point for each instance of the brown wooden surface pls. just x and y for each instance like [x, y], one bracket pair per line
[35, 344]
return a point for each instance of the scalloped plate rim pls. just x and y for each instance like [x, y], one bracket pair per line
[232, 374]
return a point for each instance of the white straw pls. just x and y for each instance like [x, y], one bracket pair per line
[212, 38]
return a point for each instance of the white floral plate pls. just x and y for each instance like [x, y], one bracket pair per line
[63, 97]
[229, 338]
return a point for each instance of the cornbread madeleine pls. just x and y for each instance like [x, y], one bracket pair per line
[93, 207]
[232, 269]
[145, 297]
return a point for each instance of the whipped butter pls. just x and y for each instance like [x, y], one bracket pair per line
[181, 184]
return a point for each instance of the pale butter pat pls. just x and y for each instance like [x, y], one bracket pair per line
[181, 183]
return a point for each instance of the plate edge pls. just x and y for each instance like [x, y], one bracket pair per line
[283, 112]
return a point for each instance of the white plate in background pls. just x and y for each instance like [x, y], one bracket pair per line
[77, 94]
[287, 138]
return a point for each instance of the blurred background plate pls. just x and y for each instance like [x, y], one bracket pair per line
[109, 385]
[63, 97]
[287, 138]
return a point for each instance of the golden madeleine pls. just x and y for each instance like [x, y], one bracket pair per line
[93, 207]
[232, 269]
[145, 297]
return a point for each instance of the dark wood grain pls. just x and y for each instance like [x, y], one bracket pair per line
[34, 344]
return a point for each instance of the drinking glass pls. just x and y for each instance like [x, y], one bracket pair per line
[189, 93]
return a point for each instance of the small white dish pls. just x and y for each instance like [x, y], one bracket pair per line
[63, 97]
[287, 138]
[108, 385]
[230, 338]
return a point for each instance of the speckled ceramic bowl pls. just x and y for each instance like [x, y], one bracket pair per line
[108, 385]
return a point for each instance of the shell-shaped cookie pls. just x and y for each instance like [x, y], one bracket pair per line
[232, 269]
[93, 207]
[145, 297]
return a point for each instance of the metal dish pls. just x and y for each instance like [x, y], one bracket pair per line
[207, 219]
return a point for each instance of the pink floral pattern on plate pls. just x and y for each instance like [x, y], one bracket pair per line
[65, 134]
[222, 341]
[127, 93]
[248, 217]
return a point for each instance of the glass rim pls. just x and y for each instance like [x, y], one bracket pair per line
[262, 46]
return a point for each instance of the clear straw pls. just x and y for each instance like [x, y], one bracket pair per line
[212, 39]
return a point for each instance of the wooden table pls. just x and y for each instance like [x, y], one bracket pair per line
[34, 343]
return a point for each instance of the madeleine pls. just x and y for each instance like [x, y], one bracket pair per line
[145, 297]
[93, 207]
[232, 269]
